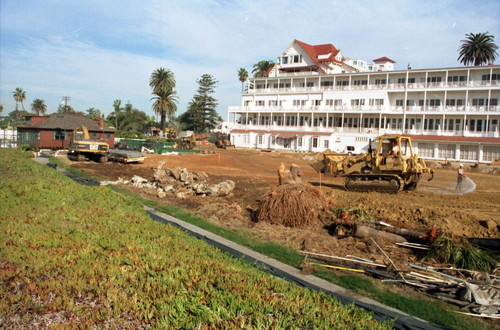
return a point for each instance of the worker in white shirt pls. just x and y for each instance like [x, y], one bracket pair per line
[460, 177]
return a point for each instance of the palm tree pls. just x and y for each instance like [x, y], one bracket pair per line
[162, 82]
[260, 69]
[19, 96]
[39, 107]
[242, 75]
[165, 105]
[478, 48]
[116, 106]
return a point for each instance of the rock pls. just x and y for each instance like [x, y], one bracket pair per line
[488, 224]
[161, 193]
[221, 189]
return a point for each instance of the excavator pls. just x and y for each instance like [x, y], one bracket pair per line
[391, 167]
[82, 147]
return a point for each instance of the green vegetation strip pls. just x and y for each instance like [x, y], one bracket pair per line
[79, 256]
[431, 310]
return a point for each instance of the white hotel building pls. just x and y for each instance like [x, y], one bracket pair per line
[314, 98]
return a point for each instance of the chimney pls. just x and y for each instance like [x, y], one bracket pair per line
[101, 123]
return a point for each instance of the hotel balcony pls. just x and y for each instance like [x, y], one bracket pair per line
[366, 109]
[388, 87]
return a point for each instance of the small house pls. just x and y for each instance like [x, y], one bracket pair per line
[55, 131]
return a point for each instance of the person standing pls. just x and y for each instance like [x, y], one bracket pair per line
[460, 177]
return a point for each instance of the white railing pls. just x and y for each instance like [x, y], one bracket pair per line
[372, 86]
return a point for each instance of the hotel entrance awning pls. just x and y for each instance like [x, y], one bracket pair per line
[286, 136]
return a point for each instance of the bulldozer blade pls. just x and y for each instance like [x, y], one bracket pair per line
[319, 166]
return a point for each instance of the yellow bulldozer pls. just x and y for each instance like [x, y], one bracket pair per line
[82, 147]
[391, 166]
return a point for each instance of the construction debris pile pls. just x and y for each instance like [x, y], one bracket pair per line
[477, 293]
[461, 273]
[180, 183]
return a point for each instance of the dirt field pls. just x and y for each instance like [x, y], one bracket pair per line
[475, 214]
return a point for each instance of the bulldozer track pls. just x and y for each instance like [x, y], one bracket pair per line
[374, 182]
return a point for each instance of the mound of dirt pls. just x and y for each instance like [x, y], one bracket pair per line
[293, 205]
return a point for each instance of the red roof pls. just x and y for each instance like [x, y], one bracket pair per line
[383, 59]
[315, 51]
[270, 69]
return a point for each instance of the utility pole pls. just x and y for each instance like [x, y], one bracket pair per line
[65, 100]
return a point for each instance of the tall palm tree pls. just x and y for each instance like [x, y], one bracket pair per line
[19, 96]
[162, 82]
[165, 105]
[261, 67]
[243, 76]
[478, 48]
[39, 107]
[116, 106]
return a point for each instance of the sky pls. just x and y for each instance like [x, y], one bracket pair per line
[97, 51]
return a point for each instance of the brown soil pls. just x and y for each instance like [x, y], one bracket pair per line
[255, 172]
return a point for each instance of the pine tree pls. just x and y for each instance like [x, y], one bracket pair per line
[202, 115]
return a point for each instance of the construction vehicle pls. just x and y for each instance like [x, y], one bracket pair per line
[82, 147]
[186, 140]
[222, 140]
[390, 167]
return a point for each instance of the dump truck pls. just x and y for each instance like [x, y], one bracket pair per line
[82, 148]
[390, 166]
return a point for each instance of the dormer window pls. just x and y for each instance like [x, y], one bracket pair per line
[284, 60]
[297, 58]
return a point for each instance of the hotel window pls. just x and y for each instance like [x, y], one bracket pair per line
[433, 79]
[493, 101]
[360, 82]
[260, 139]
[354, 62]
[297, 58]
[273, 139]
[486, 77]
[447, 151]
[490, 153]
[426, 150]
[329, 102]
[314, 142]
[247, 103]
[326, 144]
[342, 82]
[317, 102]
[338, 102]
[477, 102]
[358, 102]
[399, 103]
[380, 81]
[284, 60]
[457, 78]
[310, 84]
[327, 83]
[401, 80]
[273, 103]
[376, 102]
[450, 102]
[300, 141]
[468, 152]
[260, 103]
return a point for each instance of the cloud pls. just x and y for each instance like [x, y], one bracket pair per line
[99, 51]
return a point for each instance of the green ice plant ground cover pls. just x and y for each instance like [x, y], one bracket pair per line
[79, 256]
